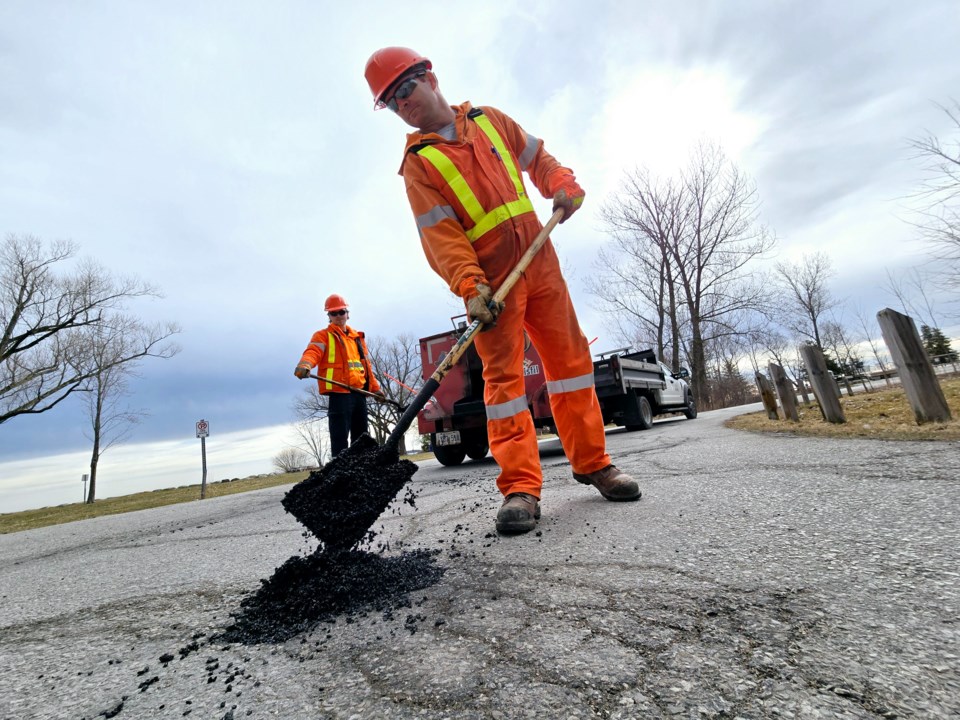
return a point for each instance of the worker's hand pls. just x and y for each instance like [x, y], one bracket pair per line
[379, 396]
[479, 307]
[569, 203]
[302, 371]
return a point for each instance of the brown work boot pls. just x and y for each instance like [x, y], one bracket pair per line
[613, 484]
[518, 514]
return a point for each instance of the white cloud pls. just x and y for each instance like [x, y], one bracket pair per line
[228, 152]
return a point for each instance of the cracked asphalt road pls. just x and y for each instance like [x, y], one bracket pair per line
[759, 576]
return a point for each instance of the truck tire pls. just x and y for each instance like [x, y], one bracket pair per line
[450, 454]
[477, 451]
[690, 412]
[645, 413]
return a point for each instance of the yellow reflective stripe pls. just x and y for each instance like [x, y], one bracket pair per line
[483, 122]
[499, 215]
[455, 180]
[331, 357]
[482, 222]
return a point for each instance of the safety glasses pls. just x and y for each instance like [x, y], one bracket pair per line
[337, 312]
[402, 91]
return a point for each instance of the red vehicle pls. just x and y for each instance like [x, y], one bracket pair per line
[631, 388]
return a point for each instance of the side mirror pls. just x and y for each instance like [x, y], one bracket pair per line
[684, 373]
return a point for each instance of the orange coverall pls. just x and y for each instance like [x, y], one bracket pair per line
[539, 303]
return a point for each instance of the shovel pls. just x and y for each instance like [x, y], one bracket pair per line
[340, 502]
[376, 397]
[457, 351]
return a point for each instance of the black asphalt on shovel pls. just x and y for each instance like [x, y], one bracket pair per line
[340, 502]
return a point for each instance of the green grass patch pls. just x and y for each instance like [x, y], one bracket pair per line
[29, 519]
[42, 517]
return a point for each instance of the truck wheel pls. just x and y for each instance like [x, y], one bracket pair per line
[450, 454]
[646, 415]
[478, 451]
[691, 410]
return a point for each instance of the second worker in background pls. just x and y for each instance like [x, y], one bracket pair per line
[339, 353]
[462, 168]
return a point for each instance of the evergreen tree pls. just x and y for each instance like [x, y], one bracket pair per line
[937, 345]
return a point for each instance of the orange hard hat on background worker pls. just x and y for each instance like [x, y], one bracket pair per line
[335, 302]
[340, 355]
[387, 65]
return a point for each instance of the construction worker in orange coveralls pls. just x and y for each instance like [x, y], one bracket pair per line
[462, 168]
[340, 354]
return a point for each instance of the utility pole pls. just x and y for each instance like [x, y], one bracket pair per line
[203, 430]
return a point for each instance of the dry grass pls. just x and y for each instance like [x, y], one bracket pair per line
[879, 415]
[29, 519]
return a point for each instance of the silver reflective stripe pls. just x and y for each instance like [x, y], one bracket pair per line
[319, 345]
[526, 157]
[435, 215]
[507, 409]
[569, 384]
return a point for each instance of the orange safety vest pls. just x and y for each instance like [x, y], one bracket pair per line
[340, 356]
[480, 221]
[468, 194]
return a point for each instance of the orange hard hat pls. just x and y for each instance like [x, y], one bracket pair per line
[335, 302]
[386, 66]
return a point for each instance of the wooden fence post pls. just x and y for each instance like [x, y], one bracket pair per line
[766, 394]
[916, 372]
[846, 383]
[785, 391]
[824, 385]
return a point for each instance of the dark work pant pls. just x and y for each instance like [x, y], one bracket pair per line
[347, 415]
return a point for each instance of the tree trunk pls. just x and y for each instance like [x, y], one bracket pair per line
[95, 455]
[699, 369]
[92, 491]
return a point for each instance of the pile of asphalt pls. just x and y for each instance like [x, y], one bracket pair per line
[340, 502]
[306, 591]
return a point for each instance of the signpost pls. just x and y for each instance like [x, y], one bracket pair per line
[84, 481]
[203, 430]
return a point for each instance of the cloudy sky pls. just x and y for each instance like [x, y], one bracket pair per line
[228, 152]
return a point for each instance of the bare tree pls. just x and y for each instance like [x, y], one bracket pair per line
[310, 408]
[727, 385]
[940, 212]
[291, 460]
[721, 236]
[838, 342]
[807, 296]
[45, 313]
[116, 348]
[868, 329]
[311, 434]
[398, 368]
[635, 282]
[684, 247]
[910, 288]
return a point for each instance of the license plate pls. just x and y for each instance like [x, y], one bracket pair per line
[448, 438]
